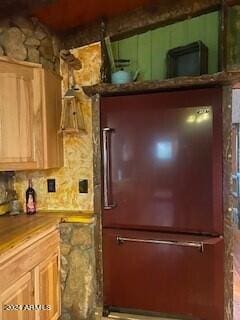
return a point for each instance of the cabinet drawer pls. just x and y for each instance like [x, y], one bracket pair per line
[179, 275]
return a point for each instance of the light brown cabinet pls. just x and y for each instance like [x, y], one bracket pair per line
[30, 283]
[18, 295]
[30, 111]
[49, 287]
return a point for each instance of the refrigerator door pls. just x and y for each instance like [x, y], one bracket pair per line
[168, 274]
[161, 158]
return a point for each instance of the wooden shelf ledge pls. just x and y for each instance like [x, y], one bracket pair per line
[216, 79]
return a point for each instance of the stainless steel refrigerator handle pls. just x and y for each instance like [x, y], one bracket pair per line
[106, 169]
[198, 245]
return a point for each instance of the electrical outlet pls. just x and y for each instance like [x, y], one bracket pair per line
[83, 186]
[51, 185]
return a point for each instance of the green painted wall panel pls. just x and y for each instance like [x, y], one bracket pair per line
[233, 37]
[159, 45]
[115, 46]
[144, 59]
[148, 51]
[128, 49]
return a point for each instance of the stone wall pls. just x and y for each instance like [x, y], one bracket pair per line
[78, 284]
[29, 40]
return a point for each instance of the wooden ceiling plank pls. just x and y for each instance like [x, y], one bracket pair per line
[142, 19]
[67, 14]
[21, 7]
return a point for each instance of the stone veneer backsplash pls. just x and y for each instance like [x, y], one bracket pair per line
[6, 187]
[29, 40]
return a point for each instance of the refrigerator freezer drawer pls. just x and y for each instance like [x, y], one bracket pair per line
[165, 273]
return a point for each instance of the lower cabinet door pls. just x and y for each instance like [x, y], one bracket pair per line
[16, 301]
[49, 289]
[168, 274]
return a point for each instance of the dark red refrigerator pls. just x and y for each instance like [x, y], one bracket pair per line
[162, 204]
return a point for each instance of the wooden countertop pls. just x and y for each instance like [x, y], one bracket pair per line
[15, 230]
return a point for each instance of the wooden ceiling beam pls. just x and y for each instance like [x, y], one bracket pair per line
[161, 13]
[207, 80]
[21, 7]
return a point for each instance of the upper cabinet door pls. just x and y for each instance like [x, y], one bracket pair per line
[16, 121]
[30, 109]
